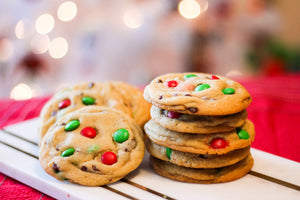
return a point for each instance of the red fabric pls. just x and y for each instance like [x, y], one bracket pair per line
[275, 112]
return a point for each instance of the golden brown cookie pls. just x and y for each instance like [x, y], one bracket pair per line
[197, 94]
[215, 143]
[119, 95]
[92, 146]
[201, 124]
[207, 176]
[193, 160]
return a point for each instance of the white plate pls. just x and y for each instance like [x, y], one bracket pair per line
[271, 177]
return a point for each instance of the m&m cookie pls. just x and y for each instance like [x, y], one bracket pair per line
[92, 146]
[118, 95]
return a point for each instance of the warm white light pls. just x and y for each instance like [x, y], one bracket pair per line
[21, 92]
[20, 29]
[133, 18]
[40, 43]
[189, 9]
[67, 11]
[58, 47]
[44, 24]
[6, 49]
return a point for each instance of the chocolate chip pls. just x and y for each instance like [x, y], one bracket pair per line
[91, 85]
[84, 168]
[63, 124]
[159, 81]
[53, 113]
[160, 97]
[188, 95]
[193, 109]
[126, 150]
[95, 168]
[55, 168]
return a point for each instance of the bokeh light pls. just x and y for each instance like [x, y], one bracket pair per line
[67, 11]
[44, 24]
[6, 49]
[40, 43]
[58, 47]
[189, 9]
[133, 18]
[21, 92]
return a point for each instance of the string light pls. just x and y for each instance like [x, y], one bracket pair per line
[44, 24]
[189, 9]
[58, 47]
[67, 11]
[40, 43]
[132, 18]
[21, 92]
[6, 49]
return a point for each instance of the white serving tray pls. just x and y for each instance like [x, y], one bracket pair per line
[271, 177]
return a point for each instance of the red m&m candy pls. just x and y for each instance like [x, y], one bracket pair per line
[173, 115]
[109, 158]
[64, 103]
[218, 143]
[172, 83]
[213, 77]
[88, 132]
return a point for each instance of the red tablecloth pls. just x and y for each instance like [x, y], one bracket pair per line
[275, 112]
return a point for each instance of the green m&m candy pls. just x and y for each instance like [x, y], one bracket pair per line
[72, 125]
[242, 134]
[121, 135]
[228, 91]
[202, 87]
[189, 76]
[88, 100]
[168, 152]
[67, 152]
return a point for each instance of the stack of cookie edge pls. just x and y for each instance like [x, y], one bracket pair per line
[199, 131]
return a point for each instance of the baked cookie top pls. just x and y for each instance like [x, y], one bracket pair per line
[214, 143]
[92, 146]
[119, 95]
[197, 93]
[200, 124]
[193, 160]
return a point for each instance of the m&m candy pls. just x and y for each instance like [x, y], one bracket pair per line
[88, 100]
[88, 132]
[72, 125]
[121, 135]
[172, 83]
[202, 87]
[64, 103]
[109, 158]
[68, 152]
[173, 115]
[228, 91]
[218, 143]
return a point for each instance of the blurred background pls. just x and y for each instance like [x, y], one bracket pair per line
[45, 45]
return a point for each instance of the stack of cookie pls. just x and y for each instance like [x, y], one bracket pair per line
[199, 131]
[91, 134]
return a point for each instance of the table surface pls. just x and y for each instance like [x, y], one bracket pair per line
[275, 111]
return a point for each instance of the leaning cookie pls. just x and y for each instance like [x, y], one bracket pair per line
[197, 93]
[214, 143]
[193, 160]
[92, 146]
[201, 124]
[118, 95]
[192, 175]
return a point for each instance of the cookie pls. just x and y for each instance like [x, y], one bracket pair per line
[118, 95]
[92, 146]
[192, 175]
[197, 94]
[201, 124]
[215, 143]
[195, 160]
